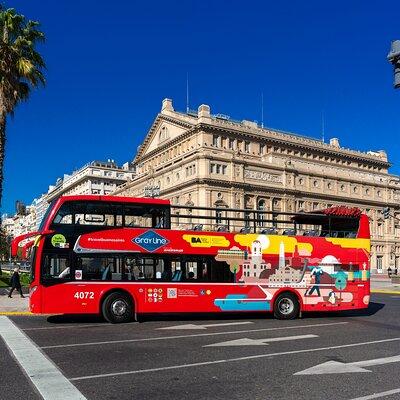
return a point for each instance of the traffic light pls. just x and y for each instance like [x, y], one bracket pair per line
[386, 212]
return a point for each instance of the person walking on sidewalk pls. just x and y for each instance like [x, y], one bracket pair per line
[15, 283]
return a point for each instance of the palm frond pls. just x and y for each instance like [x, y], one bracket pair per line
[20, 63]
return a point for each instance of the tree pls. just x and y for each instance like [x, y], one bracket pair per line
[4, 246]
[20, 68]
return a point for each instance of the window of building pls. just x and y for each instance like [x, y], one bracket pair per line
[216, 140]
[329, 185]
[262, 148]
[231, 144]
[261, 216]
[379, 260]
[163, 135]
[217, 169]
[247, 147]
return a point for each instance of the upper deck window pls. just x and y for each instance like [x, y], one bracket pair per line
[95, 213]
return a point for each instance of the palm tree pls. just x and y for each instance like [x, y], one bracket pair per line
[20, 68]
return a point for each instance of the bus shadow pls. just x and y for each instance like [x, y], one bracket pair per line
[372, 309]
[193, 317]
[75, 318]
[182, 317]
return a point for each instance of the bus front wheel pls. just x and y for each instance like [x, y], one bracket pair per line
[286, 306]
[117, 308]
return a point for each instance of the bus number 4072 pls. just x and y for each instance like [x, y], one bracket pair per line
[84, 295]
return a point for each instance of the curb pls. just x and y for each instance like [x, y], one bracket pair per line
[384, 291]
[15, 313]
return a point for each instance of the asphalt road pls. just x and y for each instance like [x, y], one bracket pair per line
[232, 357]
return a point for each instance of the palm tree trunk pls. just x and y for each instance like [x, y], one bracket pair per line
[3, 117]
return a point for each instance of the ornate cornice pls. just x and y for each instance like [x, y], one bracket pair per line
[291, 141]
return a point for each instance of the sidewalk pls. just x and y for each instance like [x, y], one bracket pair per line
[14, 306]
[381, 283]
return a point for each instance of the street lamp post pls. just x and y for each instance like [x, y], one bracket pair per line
[394, 58]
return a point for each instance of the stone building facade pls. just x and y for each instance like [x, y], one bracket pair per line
[201, 159]
[96, 177]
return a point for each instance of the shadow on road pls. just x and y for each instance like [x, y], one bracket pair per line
[372, 309]
[184, 317]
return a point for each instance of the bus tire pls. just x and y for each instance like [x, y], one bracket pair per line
[117, 308]
[286, 306]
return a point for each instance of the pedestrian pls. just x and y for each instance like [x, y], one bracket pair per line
[389, 271]
[15, 283]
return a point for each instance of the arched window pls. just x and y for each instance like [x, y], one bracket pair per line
[163, 135]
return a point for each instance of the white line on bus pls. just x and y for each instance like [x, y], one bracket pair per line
[46, 377]
[190, 336]
[228, 360]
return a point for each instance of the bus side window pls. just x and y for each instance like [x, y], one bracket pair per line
[100, 268]
[56, 267]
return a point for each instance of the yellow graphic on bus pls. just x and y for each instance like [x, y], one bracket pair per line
[271, 244]
[364, 244]
[206, 241]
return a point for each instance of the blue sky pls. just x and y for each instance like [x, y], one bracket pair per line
[109, 65]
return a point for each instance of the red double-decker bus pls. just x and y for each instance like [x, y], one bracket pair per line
[121, 256]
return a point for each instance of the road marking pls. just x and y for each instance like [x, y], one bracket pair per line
[229, 360]
[190, 336]
[384, 291]
[336, 367]
[377, 395]
[204, 326]
[259, 342]
[47, 378]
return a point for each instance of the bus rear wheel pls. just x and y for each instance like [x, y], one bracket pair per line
[286, 306]
[117, 308]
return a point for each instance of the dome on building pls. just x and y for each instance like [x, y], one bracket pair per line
[329, 260]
